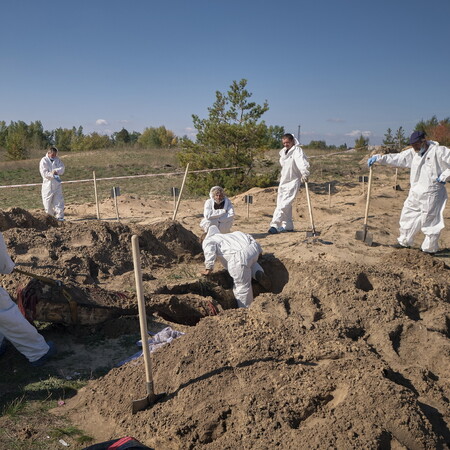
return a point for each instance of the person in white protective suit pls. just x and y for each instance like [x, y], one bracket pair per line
[218, 211]
[423, 209]
[51, 169]
[238, 252]
[294, 168]
[13, 325]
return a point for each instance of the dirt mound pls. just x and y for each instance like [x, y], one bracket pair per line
[177, 238]
[93, 261]
[347, 356]
[20, 218]
[97, 250]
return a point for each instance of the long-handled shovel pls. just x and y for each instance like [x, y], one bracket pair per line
[313, 232]
[364, 234]
[143, 403]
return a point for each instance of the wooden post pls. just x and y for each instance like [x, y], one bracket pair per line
[181, 191]
[329, 195]
[96, 196]
[115, 204]
[395, 182]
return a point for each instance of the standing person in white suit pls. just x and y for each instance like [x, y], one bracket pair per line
[238, 252]
[423, 209]
[218, 211]
[13, 325]
[51, 169]
[294, 168]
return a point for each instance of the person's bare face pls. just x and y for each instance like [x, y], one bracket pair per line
[51, 154]
[218, 196]
[287, 143]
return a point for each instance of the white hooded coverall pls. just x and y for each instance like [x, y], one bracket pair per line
[52, 195]
[238, 252]
[423, 209]
[222, 218]
[13, 325]
[294, 166]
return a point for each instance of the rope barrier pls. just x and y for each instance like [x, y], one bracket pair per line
[123, 177]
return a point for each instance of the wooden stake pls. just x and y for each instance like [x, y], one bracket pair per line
[181, 191]
[116, 205]
[96, 196]
[329, 195]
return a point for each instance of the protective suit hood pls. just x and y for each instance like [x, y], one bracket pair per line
[295, 140]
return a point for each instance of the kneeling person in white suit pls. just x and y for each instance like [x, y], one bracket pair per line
[238, 252]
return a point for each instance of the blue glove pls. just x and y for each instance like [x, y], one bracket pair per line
[438, 179]
[372, 160]
[57, 178]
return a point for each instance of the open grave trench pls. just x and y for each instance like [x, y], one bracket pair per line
[338, 354]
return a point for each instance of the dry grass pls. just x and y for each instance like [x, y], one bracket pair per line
[326, 166]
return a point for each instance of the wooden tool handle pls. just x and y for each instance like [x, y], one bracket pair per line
[309, 207]
[369, 189]
[142, 313]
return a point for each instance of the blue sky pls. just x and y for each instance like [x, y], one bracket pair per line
[337, 68]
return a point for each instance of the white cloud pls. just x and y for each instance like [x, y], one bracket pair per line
[357, 133]
[101, 122]
[190, 132]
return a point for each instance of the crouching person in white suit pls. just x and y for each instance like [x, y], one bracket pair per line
[218, 211]
[13, 325]
[238, 252]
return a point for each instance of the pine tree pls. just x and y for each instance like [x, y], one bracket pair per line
[232, 136]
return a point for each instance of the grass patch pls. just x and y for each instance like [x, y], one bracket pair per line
[14, 408]
[71, 431]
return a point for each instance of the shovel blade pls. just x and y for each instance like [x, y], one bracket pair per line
[364, 236]
[141, 404]
[369, 239]
[360, 235]
[146, 402]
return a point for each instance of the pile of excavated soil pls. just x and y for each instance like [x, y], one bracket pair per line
[347, 356]
[86, 257]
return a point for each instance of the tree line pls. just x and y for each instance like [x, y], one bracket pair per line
[18, 138]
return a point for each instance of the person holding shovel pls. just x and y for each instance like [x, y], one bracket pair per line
[423, 209]
[294, 168]
[218, 211]
[238, 252]
[51, 169]
[13, 325]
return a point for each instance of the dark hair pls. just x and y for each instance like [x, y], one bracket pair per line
[289, 136]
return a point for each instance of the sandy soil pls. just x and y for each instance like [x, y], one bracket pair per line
[350, 349]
